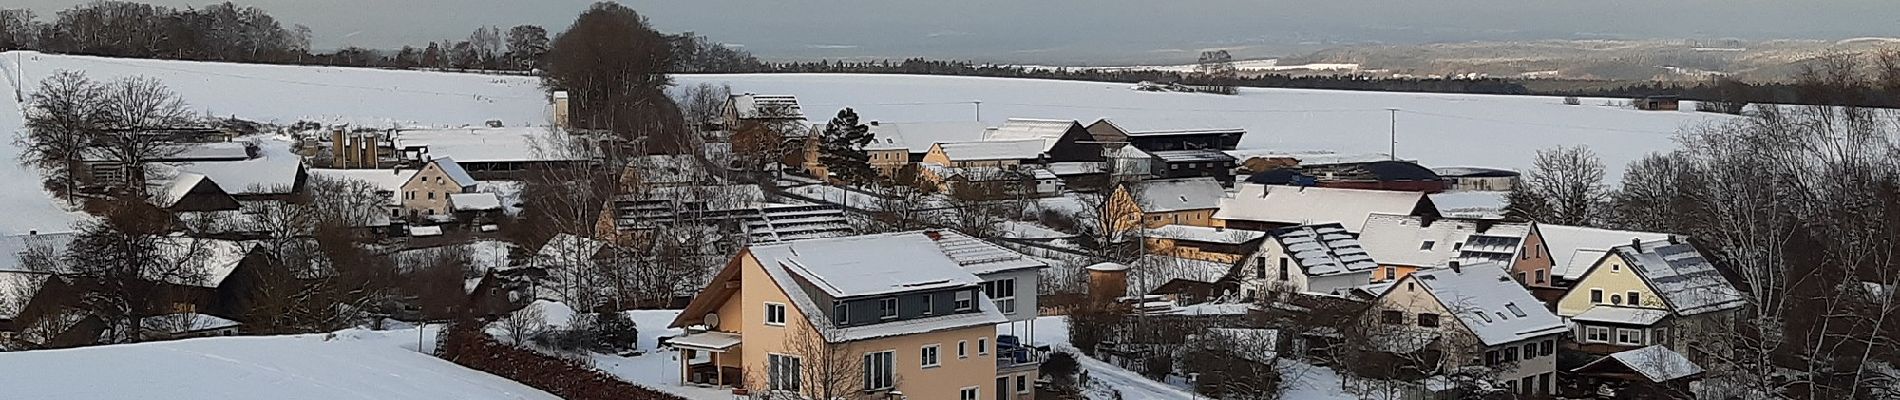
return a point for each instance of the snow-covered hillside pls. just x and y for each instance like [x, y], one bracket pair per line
[347, 365]
[1435, 129]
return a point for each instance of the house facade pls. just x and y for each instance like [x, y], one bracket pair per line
[1406, 243]
[1156, 203]
[1215, 244]
[1648, 293]
[1305, 259]
[426, 194]
[1267, 207]
[1476, 316]
[841, 318]
[1574, 249]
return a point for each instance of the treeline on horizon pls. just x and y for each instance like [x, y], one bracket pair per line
[232, 33]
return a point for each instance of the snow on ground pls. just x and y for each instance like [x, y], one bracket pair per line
[1435, 129]
[352, 364]
[285, 94]
[1304, 382]
[1028, 230]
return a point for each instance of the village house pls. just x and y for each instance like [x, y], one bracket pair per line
[1166, 135]
[761, 108]
[988, 169]
[1479, 178]
[493, 153]
[1157, 203]
[1267, 207]
[628, 216]
[665, 170]
[1573, 249]
[426, 194]
[1404, 243]
[1653, 372]
[793, 317]
[1214, 244]
[1178, 280]
[1477, 316]
[1320, 258]
[896, 145]
[761, 124]
[1648, 293]
[1062, 140]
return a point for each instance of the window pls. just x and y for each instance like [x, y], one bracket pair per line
[1491, 357]
[1283, 269]
[962, 349]
[983, 345]
[1530, 350]
[1510, 354]
[1540, 276]
[431, 195]
[877, 370]
[1003, 292]
[1260, 268]
[1635, 298]
[1392, 317]
[1022, 384]
[782, 372]
[1543, 383]
[963, 301]
[1659, 336]
[1629, 337]
[775, 314]
[1520, 277]
[1616, 267]
[1458, 246]
[1596, 296]
[928, 309]
[1428, 320]
[1529, 384]
[1596, 334]
[843, 313]
[968, 393]
[887, 308]
[1616, 299]
[1391, 273]
[928, 356]
[1427, 246]
[1548, 347]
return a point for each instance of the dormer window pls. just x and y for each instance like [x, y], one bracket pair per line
[963, 300]
[1427, 246]
[887, 308]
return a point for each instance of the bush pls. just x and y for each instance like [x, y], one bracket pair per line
[615, 333]
[1572, 100]
[1725, 107]
[1060, 368]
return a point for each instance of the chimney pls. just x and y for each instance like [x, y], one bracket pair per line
[1637, 243]
[933, 234]
[1455, 268]
[1672, 239]
[33, 233]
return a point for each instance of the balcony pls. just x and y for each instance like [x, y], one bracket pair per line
[1012, 355]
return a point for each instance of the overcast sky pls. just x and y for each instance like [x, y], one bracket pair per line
[1075, 32]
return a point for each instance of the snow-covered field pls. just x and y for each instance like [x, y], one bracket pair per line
[1435, 129]
[354, 364]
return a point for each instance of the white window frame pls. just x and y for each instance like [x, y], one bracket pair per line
[964, 300]
[930, 356]
[1002, 292]
[769, 307]
[1022, 383]
[970, 393]
[1590, 334]
[963, 349]
[887, 312]
[1636, 333]
[872, 372]
[983, 345]
[776, 375]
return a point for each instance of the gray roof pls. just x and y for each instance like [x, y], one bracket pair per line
[1657, 363]
[864, 265]
[917, 137]
[1681, 276]
[980, 257]
[1574, 248]
[454, 171]
[992, 150]
[1048, 131]
[1323, 250]
[1621, 315]
[1166, 195]
[1315, 205]
[1396, 239]
[750, 106]
[1489, 303]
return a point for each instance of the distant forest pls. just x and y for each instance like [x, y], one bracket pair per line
[228, 32]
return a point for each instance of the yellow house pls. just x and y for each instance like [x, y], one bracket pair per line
[1156, 203]
[426, 194]
[853, 317]
[1649, 293]
[1476, 316]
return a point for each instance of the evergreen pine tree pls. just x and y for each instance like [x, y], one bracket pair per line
[841, 148]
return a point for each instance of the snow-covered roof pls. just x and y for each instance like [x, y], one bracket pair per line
[1312, 205]
[1470, 204]
[1396, 239]
[1474, 172]
[981, 257]
[1167, 195]
[1681, 276]
[917, 137]
[707, 340]
[1073, 168]
[1153, 270]
[1574, 248]
[1621, 315]
[175, 190]
[208, 261]
[480, 201]
[1489, 303]
[12, 247]
[425, 231]
[511, 144]
[220, 151]
[186, 323]
[862, 265]
[1657, 363]
[454, 171]
[1181, 156]
[569, 247]
[992, 150]
[1324, 249]
[766, 106]
[1048, 131]
[389, 180]
[1204, 234]
[16, 289]
[1174, 126]
[669, 168]
[782, 222]
[275, 171]
[858, 266]
[1107, 267]
[1309, 158]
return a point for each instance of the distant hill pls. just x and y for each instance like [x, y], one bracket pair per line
[1667, 60]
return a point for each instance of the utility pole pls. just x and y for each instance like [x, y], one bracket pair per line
[1394, 153]
[979, 109]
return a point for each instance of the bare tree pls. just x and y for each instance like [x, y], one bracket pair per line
[1570, 180]
[66, 112]
[128, 268]
[1653, 197]
[702, 104]
[135, 108]
[1237, 364]
[824, 369]
[523, 324]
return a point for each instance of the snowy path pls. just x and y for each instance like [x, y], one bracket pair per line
[29, 208]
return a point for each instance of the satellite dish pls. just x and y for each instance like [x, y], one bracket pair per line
[712, 320]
